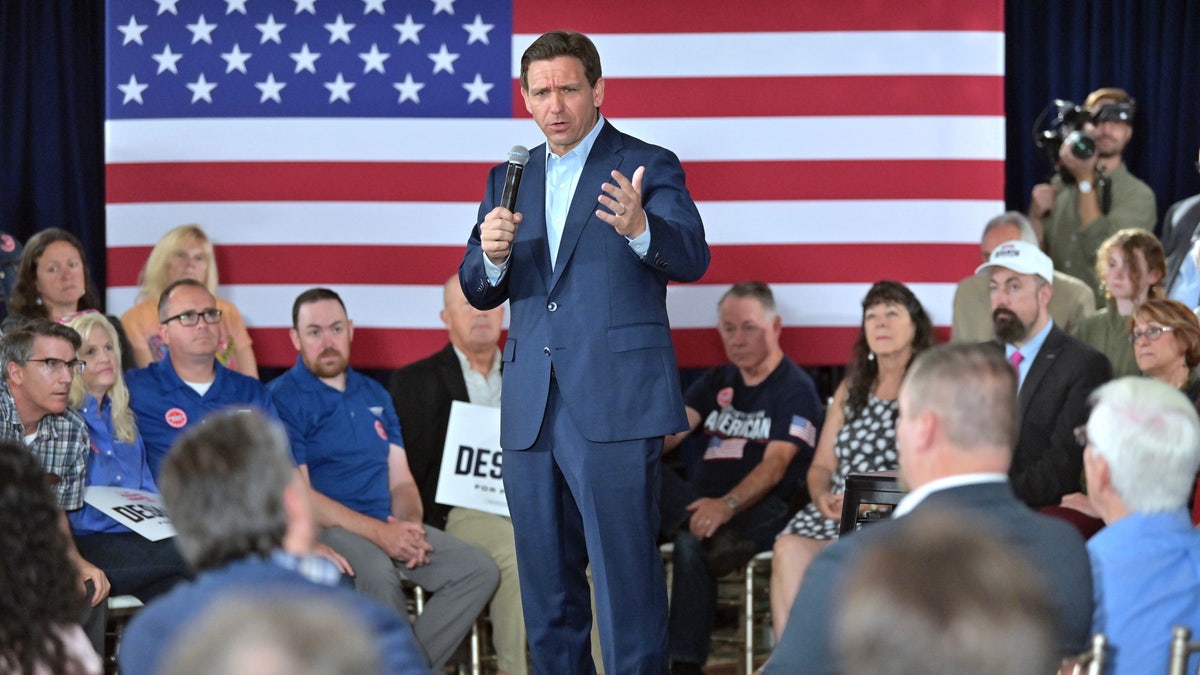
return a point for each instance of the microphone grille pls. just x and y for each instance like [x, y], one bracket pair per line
[518, 155]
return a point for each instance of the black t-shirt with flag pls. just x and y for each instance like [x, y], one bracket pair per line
[740, 421]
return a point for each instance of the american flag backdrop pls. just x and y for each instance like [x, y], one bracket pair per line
[345, 143]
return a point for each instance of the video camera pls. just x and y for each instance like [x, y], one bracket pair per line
[1062, 122]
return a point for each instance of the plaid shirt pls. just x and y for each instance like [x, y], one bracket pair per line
[61, 445]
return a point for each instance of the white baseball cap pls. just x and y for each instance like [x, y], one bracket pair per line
[1021, 257]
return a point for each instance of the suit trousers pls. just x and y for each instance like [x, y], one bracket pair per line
[573, 501]
[494, 534]
[460, 579]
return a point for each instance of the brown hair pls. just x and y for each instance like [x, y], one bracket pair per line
[1130, 241]
[561, 43]
[25, 299]
[1174, 315]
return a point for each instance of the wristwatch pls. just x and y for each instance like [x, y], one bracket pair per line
[732, 502]
[1085, 186]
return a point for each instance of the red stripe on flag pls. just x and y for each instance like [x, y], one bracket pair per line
[411, 181]
[808, 346]
[797, 96]
[432, 265]
[639, 16]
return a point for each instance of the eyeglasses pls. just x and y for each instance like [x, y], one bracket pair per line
[52, 365]
[1152, 333]
[191, 318]
[1081, 435]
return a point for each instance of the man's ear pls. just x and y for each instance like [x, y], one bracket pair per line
[295, 336]
[15, 373]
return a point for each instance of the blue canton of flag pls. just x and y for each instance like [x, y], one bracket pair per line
[803, 429]
[309, 58]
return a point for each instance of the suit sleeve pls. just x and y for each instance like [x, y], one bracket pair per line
[677, 245]
[1057, 470]
[806, 645]
[472, 273]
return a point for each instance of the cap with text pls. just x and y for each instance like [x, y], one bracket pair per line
[1022, 258]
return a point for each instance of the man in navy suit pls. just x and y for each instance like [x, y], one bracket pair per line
[603, 221]
[955, 437]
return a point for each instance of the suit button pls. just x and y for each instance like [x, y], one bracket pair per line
[553, 306]
[546, 351]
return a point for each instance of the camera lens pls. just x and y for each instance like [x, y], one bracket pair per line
[1081, 143]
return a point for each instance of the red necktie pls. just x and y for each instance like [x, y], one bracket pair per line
[1015, 360]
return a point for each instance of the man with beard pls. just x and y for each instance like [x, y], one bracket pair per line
[1055, 372]
[175, 394]
[1090, 199]
[347, 443]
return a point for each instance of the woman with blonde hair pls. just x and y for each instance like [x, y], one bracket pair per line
[185, 251]
[135, 565]
[1130, 265]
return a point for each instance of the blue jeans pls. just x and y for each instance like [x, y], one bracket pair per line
[133, 564]
[693, 589]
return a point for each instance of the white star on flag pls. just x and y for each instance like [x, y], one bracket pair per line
[339, 30]
[132, 31]
[270, 30]
[305, 60]
[478, 31]
[236, 59]
[339, 89]
[373, 60]
[270, 89]
[373, 6]
[202, 89]
[409, 30]
[235, 6]
[167, 60]
[443, 60]
[446, 6]
[133, 90]
[201, 30]
[306, 6]
[409, 90]
[167, 6]
[478, 89]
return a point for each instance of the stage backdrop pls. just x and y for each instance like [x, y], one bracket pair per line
[345, 143]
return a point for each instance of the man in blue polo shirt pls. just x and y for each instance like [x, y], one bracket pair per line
[346, 439]
[174, 394]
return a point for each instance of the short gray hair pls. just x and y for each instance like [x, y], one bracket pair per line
[17, 345]
[1015, 219]
[751, 289]
[971, 388]
[223, 484]
[1149, 433]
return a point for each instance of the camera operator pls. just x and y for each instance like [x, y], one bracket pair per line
[1092, 198]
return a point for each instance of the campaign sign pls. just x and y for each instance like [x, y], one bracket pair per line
[471, 474]
[139, 510]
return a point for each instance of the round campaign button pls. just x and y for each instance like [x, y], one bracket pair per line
[176, 418]
[725, 396]
[380, 430]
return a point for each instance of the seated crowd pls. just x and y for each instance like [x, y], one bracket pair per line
[1060, 428]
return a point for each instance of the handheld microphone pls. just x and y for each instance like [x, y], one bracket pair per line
[512, 180]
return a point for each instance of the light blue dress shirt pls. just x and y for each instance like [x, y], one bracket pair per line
[1029, 351]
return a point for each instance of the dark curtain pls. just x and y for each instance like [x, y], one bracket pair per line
[52, 121]
[52, 79]
[1150, 48]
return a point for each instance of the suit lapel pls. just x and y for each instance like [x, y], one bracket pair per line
[531, 202]
[1046, 358]
[452, 375]
[600, 163]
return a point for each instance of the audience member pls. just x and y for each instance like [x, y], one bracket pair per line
[279, 636]
[938, 597]
[1055, 372]
[10, 267]
[1092, 198]
[1181, 240]
[246, 527]
[53, 282]
[1142, 453]
[1071, 303]
[347, 441]
[760, 414]
[134, 565]
[859, 432]
[955, 438]
[40, 600]
[466, 369]
[174, 394]
[38, 366]
[185, 253]
[1131, 266]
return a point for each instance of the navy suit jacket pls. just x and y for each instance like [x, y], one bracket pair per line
[1048, 462]
[599, 317]
[1051, 546]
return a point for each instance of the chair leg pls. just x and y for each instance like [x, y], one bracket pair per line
[748, 617]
